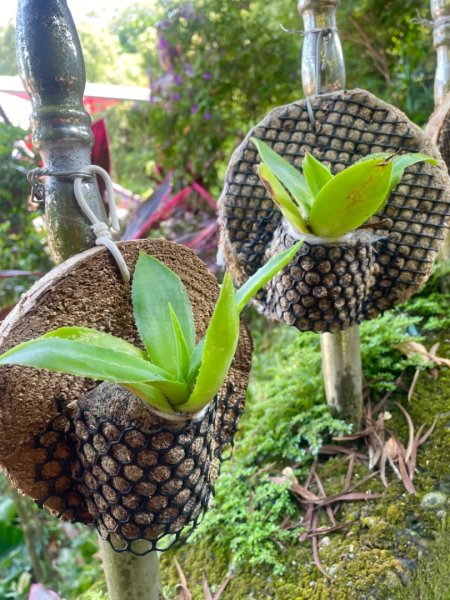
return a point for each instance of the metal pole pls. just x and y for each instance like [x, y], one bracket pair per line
[341, 356]
[440, 12]
[51, 66]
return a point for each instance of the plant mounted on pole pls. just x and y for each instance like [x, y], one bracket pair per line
[173, 374]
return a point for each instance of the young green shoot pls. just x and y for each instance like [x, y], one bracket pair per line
[316, 202]
[173, 373]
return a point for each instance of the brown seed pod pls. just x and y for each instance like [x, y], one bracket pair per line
[37, 406]
[346, 126]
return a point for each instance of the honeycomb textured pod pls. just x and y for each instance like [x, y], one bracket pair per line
[346, 126]
[144, 478]
[37, 446]
[325, 288]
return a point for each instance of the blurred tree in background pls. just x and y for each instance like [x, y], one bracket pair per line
[21, 243]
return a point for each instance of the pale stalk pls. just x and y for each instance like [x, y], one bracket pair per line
[130, 577]
[341, 358]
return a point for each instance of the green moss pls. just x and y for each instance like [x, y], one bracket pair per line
[394, 546]
[96, 592]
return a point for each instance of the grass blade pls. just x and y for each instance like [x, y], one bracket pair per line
[96, 338]
[289, 176]
[84, 360]
[350, 198]
[154, 286]
[317, 175]
[221, 340]
[265, 274]
[282, 199]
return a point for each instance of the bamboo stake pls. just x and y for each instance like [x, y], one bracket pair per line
[341, 358]
[52, 69]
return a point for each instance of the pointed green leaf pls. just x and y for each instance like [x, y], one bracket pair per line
[221, 340]
[151, 395]
[195, 362]
[245, 293]
[282, 199]
[403, 161]
[96, 338]
[289, 176]
[350, 198]
[84, 360]
[265, 274]
[176, 392]
[400, 163]
[154, 286]
[182, 349]
[317, 175]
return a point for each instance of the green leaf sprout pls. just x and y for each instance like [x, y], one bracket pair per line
[173, 373]
[329, 206]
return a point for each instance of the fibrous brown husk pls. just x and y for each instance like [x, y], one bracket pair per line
[438, 129]
[347, 126]
[88, 291]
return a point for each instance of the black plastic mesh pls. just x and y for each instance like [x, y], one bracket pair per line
[54, 459]
[347, 126]
[325, 287]
[143, 490]
[146, 486]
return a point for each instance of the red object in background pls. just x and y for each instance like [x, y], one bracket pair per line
[100, 154]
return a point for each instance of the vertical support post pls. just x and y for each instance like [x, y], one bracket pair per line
[130, 577]
[323, 70]
[323, 67]
[440, 13]
[52, 69]
[51, 66]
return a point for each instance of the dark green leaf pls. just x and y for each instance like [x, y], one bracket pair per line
[7, 510]
[10, 537]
